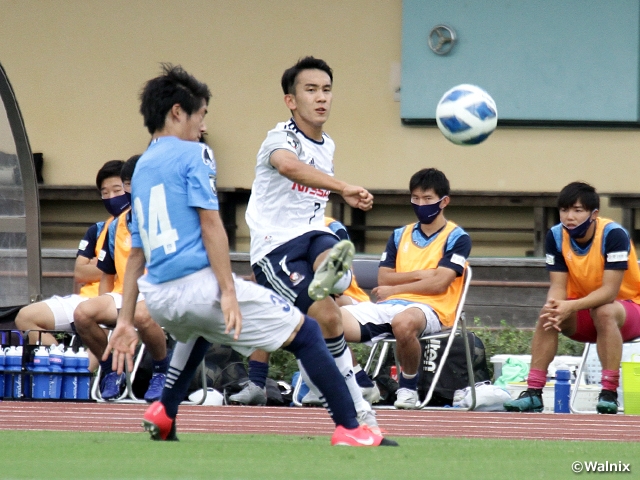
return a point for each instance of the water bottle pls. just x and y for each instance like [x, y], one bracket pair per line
[13, 369]
[26, 376]
[562, 390]
[69, 377]
[39, 374]
[56, 361]
[1, 374]
[84, 374]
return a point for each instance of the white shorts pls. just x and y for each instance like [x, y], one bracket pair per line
[189, 307]
[117, 298]
[62, 309]
[369, 313]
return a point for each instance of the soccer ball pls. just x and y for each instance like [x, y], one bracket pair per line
[466, 115]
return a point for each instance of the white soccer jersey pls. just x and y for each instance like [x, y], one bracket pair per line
[279, 209]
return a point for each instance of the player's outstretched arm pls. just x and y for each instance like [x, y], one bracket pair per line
[124, 338]
[216, 243]
[290, 166]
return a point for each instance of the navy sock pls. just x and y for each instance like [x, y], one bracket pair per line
[105, 366]
[258, 372]
[161, 366]
[309, 347]
[410, 383]
[363, 379]
[184, 362]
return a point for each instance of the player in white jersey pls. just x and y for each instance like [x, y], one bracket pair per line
[189, 288]
[292, 251]
[281, 209]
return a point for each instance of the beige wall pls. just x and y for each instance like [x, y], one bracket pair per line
[78, 65]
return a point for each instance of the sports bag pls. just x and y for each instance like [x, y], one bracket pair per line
[454, 374]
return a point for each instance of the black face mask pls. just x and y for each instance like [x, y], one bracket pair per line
[116, 205]
[580, 230]
[428, 213]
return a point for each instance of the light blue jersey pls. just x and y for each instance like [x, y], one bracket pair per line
[171, 180]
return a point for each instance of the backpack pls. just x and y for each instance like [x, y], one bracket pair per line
[454, 374]
[223, 366]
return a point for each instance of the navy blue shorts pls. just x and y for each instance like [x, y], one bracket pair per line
[288, 270]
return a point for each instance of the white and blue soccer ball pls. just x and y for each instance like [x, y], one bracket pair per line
[466, 115]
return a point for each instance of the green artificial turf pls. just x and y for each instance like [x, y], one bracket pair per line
[68, 455]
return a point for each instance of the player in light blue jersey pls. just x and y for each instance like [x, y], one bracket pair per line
[189, 287]
[164, 185]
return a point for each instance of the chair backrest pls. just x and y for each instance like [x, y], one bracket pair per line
[366, 272]
[463, 295]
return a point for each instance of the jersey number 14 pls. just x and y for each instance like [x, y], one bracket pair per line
[159, 233]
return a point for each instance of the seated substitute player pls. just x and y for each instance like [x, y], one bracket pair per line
[292, 251]
[419, 282]
[56, 313]
[594, 295]
[189, 288]
[103, 310]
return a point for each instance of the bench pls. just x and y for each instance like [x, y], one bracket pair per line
[543, 205]
[629, 203]
[229, 199]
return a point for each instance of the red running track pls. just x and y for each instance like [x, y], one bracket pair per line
[121, 417]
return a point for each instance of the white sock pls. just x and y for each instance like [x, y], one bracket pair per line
[342, 284]
[345, 365]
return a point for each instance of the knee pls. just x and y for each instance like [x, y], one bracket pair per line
[330, 319]
[23, 320]
[143, 321]
[81, 316]
[404, 330]
[607, 316]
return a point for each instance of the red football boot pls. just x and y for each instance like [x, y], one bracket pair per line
[158, 424]
[360, 437]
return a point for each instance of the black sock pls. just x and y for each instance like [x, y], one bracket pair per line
[184, 362]
[105, 366]
[258, 372]
[309, 347]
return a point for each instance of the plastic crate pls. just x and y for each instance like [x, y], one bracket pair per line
[631, 387]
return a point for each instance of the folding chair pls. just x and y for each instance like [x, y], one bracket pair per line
[459, 327]
[587, 359]
[128, 395]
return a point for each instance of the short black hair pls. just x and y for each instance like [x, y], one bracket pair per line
[109, 169]
[430, 178]
[160, 94]
[579, 191]
[290, 75]
[126, 172]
